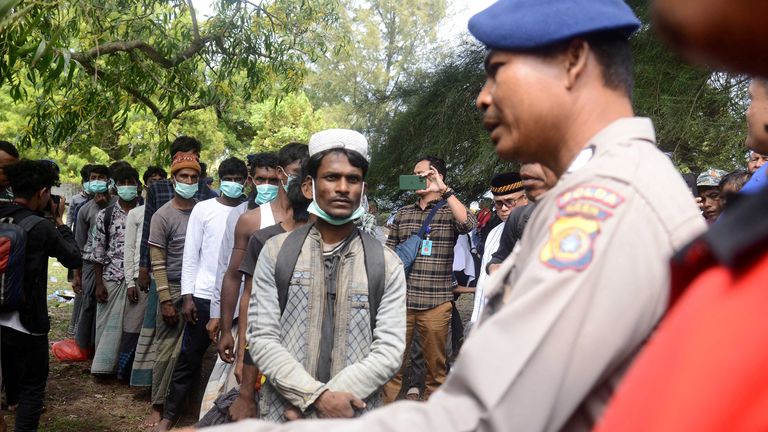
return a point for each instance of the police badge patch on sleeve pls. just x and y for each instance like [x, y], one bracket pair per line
[581, 211]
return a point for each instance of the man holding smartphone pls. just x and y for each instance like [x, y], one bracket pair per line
[430, 282]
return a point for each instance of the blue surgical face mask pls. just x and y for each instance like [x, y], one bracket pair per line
[265, 193]
[127, 193]
[87, 187]
[322, 214]
[98, 186]
[291, 178]
[231, 189]
[184, 190]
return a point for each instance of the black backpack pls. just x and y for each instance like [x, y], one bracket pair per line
[13, 247]
[108, 212]
[374, 267]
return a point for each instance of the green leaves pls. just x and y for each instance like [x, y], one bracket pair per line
[90, 64]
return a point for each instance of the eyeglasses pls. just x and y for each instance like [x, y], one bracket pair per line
[510, 202]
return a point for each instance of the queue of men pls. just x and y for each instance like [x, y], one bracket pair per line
[579, 320]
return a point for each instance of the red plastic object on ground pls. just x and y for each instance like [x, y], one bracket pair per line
[67, 350]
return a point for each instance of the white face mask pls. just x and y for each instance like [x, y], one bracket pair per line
[322, 214]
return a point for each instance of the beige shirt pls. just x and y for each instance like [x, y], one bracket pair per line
[570, 307]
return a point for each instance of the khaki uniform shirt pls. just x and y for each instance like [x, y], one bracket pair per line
[571, 306]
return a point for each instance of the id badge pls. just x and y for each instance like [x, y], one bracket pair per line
[426, 247]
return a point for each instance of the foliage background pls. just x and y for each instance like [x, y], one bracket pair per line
[276, 71]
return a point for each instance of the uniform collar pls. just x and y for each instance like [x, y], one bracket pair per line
[624, 129]
[621, 130]
[584, 156]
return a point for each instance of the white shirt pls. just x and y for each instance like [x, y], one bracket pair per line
[462, 257]
[491, 246]
[134, 224]
[227, 243]
[202, 244]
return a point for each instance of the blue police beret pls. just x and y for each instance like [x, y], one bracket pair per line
[519, 25]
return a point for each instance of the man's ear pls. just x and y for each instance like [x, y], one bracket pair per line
[576, 60]
[306, 188]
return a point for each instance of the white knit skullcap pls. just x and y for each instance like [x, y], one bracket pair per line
[338, 138]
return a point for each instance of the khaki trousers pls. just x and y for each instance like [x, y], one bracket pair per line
[432, 325]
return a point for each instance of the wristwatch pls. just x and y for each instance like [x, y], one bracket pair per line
[447, 194]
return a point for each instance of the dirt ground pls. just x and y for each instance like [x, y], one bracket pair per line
[77, 402]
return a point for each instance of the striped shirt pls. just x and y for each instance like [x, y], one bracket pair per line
[431, 277]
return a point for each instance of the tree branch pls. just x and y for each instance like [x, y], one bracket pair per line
[181, 111]
[156, 111]
[146, 101]
[148, 50]
[195, 29]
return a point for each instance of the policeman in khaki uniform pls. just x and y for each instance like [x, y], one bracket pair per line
[589, 280]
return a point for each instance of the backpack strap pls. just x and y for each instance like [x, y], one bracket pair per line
[286, 262]
[430, 216]
[29, 222]
[374, 269]
[108, 212]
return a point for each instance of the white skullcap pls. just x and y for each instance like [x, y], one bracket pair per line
[338, 138]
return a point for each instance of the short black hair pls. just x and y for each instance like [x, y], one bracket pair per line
[437, 163]
[53, 165]
[28, 177]
[9, 148]
[613, 53]
[203, 170]
[125, 172]
[291, 153]
[355, 159]
[299, 203]
[262, 160]
[101, 169]
[85, 172]
[232, 166]
[154, 170]
[185, 144]
[118, 164]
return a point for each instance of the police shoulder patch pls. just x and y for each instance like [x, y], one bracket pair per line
[580, 213]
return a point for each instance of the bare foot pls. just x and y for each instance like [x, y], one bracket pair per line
[154, 418]
[164, 425]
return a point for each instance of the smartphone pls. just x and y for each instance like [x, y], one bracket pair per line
[412, 182]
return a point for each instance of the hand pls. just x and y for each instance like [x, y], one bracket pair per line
[333, 404]
[102, 296]
[242, 408]
[189, 310]
[226, 347]
[58, 210]
[133, 294]
[492, 268]
[213, 329]
[292, 413]
[170, 316]
[434, 181]
[143, 281]
[77, 282]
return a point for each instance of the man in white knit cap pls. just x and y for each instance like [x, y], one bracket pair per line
[327, 312]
